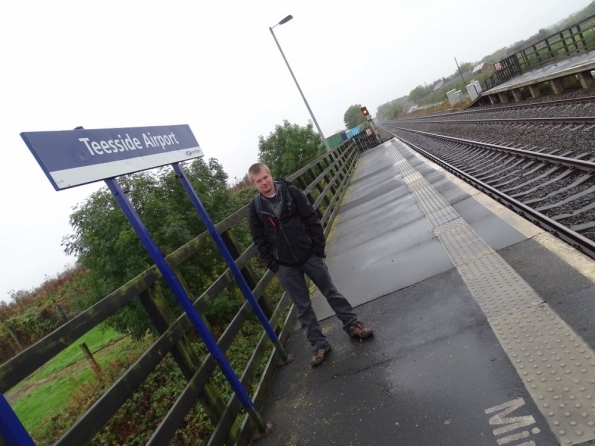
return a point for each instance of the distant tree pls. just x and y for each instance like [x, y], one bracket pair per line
[418, 93]
[392, 109]
[108, 247]
[496, 55]
[19, 297]
[465, 67]
[289, 148]
[587, 11]
[353, 116]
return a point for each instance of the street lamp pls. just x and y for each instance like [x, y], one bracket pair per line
[285, 20]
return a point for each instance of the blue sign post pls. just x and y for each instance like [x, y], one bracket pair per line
[76, 157]
[11, 428]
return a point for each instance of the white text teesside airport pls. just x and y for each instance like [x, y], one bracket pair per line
[128, 143]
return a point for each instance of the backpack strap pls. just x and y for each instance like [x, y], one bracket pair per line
[288, 197]
[258, 206]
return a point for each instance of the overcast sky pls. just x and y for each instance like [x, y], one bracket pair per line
[214, 66]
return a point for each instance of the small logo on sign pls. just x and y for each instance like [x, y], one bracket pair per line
[196, 152]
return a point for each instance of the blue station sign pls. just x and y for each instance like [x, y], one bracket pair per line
[74, 157]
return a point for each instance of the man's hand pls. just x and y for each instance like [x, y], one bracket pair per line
[273, 266]
[319, 252]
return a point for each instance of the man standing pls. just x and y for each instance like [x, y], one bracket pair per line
[288, 235]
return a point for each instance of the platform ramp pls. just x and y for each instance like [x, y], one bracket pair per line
[484, 323]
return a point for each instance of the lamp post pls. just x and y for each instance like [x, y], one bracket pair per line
[285, 20]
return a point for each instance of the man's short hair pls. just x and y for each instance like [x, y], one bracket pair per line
[256, 168]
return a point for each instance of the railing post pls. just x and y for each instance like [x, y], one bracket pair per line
[14, 337]
[188, 361]
[564, 44]
[582, 37]
[318, 185]
[326, 176]
[537, 53]
[304, 186]
[248, 272]
[91, 360]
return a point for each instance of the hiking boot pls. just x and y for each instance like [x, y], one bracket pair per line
[358, 330]
[318, 355]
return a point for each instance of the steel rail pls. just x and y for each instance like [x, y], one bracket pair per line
[571, 237]
[574, 163]
[560, 120]
[488, 109]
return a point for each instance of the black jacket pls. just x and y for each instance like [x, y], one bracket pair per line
[291, 238]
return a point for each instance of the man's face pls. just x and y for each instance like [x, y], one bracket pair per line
[264, 183]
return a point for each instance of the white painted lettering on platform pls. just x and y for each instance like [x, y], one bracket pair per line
[510, 424]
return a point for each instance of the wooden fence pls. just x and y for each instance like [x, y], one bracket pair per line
[576, 39]
[324, 181]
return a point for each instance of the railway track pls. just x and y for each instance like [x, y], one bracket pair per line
[573, 120]
[554, 188]
[585, 105]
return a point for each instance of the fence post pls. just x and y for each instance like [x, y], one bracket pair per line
[318, 186]
[61, 311]
[91, 360]
[326, 177]
[303, 185]
[582, 37]
[564, 44]
[248, 272]
[14, 337]
[537, 53]
[183, 353]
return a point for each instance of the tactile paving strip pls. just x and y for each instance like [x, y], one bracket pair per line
[442, 217]
[417, 184]
[556, 365]
[498, 289]
[462, 244]
[410, 178]
[430, 200]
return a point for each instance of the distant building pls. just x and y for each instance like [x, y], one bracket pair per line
[483, 68]
[456, 78]
[438, 85]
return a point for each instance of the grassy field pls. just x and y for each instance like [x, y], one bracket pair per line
[45, 393]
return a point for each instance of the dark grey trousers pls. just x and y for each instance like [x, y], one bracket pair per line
[293, 281]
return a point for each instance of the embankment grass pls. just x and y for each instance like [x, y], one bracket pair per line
[46, 392]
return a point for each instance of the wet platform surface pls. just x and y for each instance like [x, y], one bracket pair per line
[442, 369]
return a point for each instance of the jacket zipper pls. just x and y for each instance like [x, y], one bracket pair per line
[278, 216]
